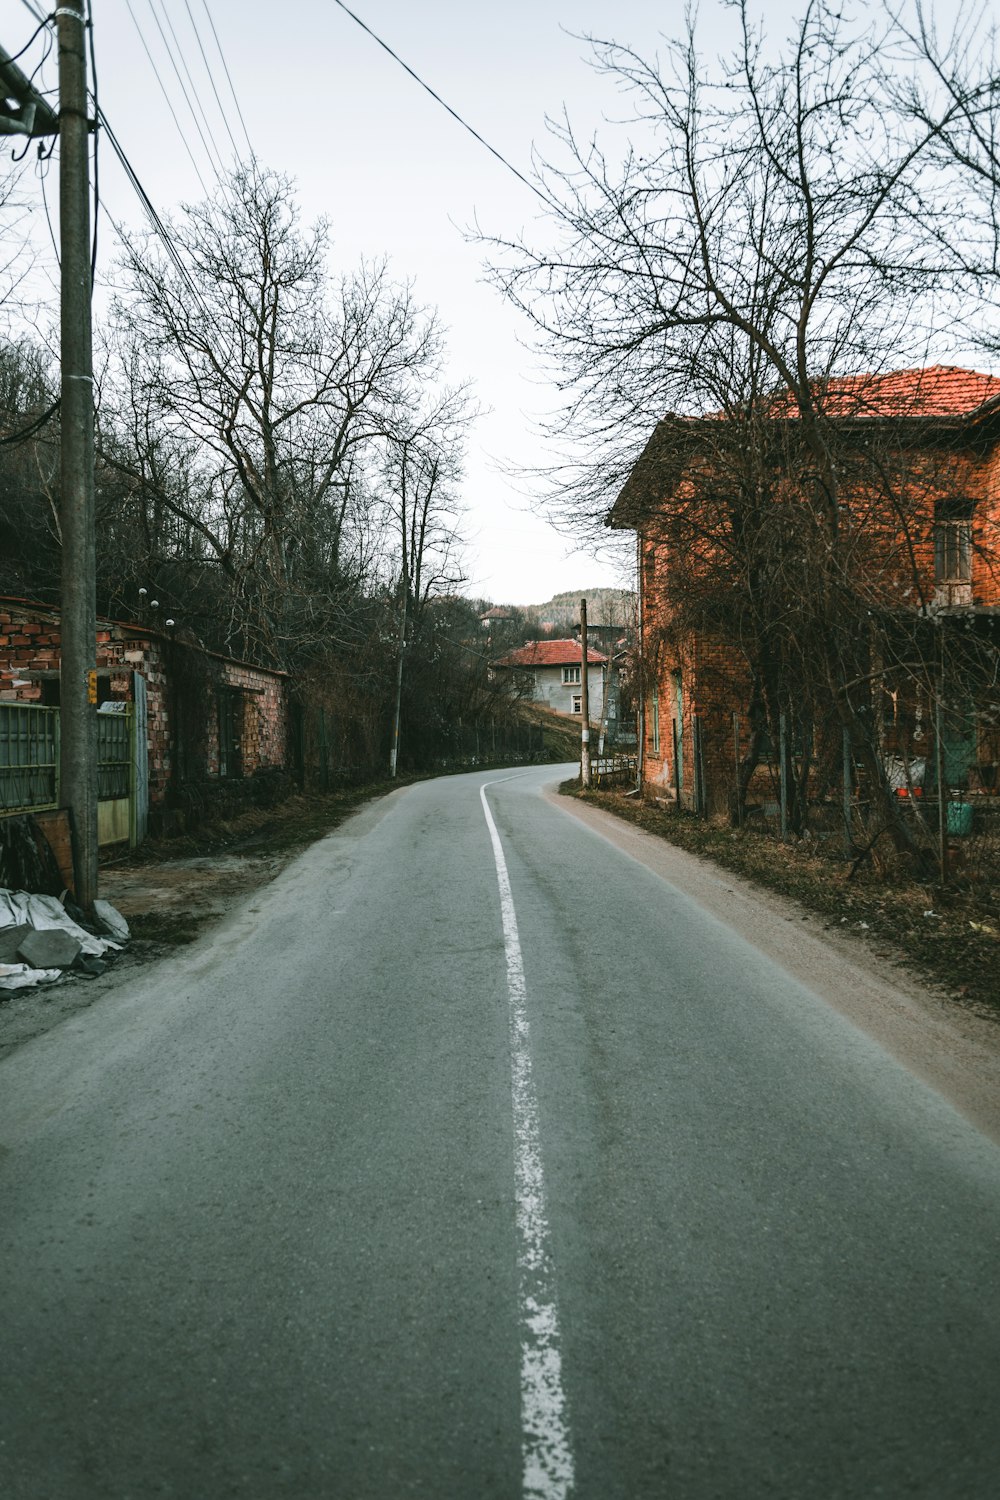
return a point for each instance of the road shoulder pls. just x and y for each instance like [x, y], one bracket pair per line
[955, 1049]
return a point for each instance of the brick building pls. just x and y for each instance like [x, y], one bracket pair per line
[927, 538]
[211, 723]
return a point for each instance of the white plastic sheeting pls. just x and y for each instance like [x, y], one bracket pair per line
[43, 912]
[110, 917]
[22, 976]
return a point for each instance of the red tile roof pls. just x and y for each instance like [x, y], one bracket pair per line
[935, 391]
[549, 654]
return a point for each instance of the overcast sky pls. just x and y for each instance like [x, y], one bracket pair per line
[392, 171]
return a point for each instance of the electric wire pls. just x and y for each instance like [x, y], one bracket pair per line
[160, 229]
[49, 44]
[166, 96]
[215, 160]
[97, 138]
[211, 79]
[229, 79]
[157, 223]
[444, 105]
[42, 176]
[41, 93]
[163, 234]
[42, 25]
[39, 422]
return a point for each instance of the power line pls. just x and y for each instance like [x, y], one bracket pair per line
[42, 24]
[97, 138]
[43, 172]
[211, 79]
[159, 227]
[162, 232]
[163, 90]
[454, 113]
[32, 427]
[229, 80]
[216, 161]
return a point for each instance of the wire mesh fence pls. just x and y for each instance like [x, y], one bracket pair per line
[951, 813]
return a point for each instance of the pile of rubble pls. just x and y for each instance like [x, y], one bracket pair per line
[42, 940]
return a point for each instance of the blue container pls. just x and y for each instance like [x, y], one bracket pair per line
[959, 818]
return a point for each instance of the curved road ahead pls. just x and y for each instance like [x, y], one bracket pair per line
[473, 1159]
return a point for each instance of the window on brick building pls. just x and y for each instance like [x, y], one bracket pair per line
[953, 541]
[654, 721]
[571, 674]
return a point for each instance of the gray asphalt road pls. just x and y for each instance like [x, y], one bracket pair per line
[274, 1221]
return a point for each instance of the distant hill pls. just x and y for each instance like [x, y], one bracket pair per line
[604, 607]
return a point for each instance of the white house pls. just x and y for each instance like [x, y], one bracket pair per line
[551, 673]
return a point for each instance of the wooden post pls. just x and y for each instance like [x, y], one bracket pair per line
[736, 767]
[942, 799]
[677, 769]
[699, 769]
[397, 710]
[783, 771]
[847, 789]
[78, 700]
[584, 701]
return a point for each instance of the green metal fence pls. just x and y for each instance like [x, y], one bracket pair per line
[29, 757]
[114, 756]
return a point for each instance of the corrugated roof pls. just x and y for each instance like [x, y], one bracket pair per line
[549, 654]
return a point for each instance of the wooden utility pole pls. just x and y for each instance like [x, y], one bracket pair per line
[584, 700]
[78, 693]
[939, 764]
[394, 744]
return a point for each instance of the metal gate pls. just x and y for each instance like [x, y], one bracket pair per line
[29, 757]
[29, 766]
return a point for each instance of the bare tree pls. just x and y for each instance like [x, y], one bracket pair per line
[271, 382]
[772, 234]
[29, 467]
[423, 472]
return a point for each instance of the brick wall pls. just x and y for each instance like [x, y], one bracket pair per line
[900, 565]
[27, 642]
[29, 665]
[263, 717]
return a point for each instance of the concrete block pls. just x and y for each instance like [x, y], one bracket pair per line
[49, 948]
[11, 939]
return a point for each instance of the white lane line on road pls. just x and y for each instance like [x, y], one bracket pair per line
[545, 1441]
